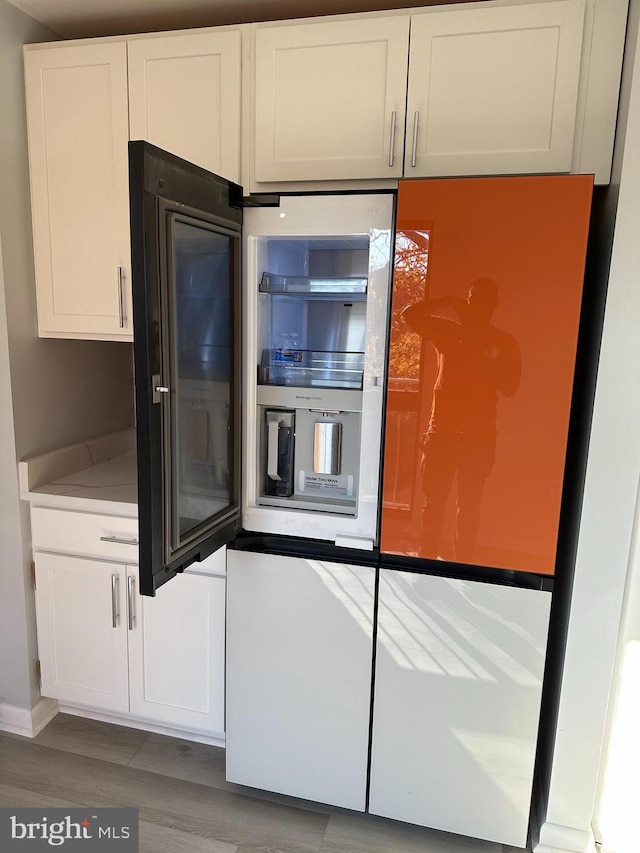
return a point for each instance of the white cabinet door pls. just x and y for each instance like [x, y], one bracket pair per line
[458, 683]
[78, 127]
[330, 99]
[176, 652]
[82, 634]
[493, 90]
[299, 644]
[184, 96]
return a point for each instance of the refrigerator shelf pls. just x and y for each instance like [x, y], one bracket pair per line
[312, 368]
[313, 285]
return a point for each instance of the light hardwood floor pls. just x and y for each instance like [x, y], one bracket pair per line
[185, 804]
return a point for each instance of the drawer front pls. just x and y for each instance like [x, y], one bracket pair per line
[69, 531]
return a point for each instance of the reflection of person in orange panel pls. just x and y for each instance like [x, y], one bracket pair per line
[475, 363]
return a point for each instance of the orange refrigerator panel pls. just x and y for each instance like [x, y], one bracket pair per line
[485, 312]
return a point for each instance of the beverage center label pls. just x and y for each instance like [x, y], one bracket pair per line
[327, 485]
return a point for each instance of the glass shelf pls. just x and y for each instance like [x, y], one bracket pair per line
[313, 286]
[312, 369]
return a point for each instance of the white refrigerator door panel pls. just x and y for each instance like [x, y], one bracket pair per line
[459, 669]
[321, 216]
[299, 649]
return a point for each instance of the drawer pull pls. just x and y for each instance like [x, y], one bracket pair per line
[114, 601]
[119, 541]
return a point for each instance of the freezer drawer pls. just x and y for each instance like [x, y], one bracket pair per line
[458, 684]
[299, 648]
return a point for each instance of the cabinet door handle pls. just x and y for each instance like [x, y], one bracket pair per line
[392, 140]
[114, 601]
[414, 147]
[121, 277]
[119, 541]
[132, 618]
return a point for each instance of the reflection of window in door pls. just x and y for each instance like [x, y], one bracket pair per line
[405, 356]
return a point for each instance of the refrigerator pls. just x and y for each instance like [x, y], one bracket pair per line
[366, 396]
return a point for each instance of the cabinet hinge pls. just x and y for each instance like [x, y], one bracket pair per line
[39, 671]
[33, 574]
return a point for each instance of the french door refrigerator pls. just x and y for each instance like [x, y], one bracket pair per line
[487, 294]
[261, 372]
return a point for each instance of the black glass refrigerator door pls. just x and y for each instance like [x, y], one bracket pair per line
[185, 247]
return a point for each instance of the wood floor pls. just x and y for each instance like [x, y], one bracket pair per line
[185, 804]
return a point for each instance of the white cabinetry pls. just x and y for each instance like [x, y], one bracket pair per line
[77, 114]
[493, 90]
[458, 684]
[85, 100]
[330, 99]
[184, 96]
[104, 648]
[299, 647]
[176, 653]
[82, 636]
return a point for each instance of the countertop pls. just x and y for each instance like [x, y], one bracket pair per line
[99, 475]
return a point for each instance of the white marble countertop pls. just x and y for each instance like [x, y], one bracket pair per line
[99, 475]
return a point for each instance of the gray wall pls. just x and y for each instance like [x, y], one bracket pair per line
[53, 392]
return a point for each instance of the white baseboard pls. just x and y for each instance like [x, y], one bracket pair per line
[27, 722]
[144, 725]
[554, 838]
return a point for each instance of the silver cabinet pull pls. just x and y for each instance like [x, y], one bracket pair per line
[414, 147]
[114, 601]
[132, 618]
[392, 140]
[121, 277]
[119, 541]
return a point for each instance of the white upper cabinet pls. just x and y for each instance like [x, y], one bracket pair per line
[493, 90]
[179, 92]
[184, 96]
[330, 99]
[77, 113]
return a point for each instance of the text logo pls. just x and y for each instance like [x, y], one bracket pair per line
[32, 830]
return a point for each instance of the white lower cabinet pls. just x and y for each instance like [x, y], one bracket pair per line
[104, 646]
[176, 653]
[82, 635]
[299, 650]
[458, 684]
